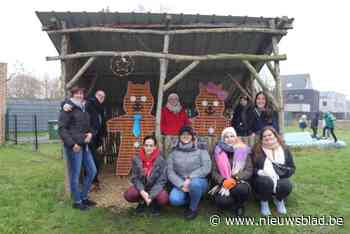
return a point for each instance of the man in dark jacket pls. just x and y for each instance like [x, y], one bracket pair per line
[76, 133]
[95, 108]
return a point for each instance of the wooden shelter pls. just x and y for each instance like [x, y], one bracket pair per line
[174, 52]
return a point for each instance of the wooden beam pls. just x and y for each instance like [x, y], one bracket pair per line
[92, 85]
[181, 75]
[240, 87]
[64, 52]
[162, 77]
[278, 87]
[272, 70]
[169, 32]
[261, 83]
[80, 72]
[179, 57]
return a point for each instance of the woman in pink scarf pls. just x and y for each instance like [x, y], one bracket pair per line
[232, 169]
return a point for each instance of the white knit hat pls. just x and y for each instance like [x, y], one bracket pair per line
[228, 130]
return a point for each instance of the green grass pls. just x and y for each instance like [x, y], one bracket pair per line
[32, 201]
[32, 134]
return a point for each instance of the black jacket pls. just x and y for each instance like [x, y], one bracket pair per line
[259, 160]
[154, 183]
[97, 120]
[243, 120]
[73, 125]
[265, 118]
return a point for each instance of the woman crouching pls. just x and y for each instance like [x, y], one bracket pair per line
[188, 167]
[148, 178]
[232, 169]
[273, 165]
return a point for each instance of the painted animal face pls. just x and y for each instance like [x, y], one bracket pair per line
[208, 104]
[138, 99]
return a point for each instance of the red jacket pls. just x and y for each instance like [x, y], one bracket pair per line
[171, 123]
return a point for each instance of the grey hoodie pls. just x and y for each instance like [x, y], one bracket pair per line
[187, 161]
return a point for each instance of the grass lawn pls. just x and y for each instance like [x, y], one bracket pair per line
[32, 201]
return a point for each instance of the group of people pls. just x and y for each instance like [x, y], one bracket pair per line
[229, 174]
[82, 128]
[328, 123]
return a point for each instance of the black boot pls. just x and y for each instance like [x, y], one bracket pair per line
[191, 214]
[89, 203]
[238, 211]
[80, 206]
[155, 208]
[140, 208]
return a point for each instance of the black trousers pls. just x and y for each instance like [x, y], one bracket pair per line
[314, 130]
[331, 131]
[263, 188]
[238, 195]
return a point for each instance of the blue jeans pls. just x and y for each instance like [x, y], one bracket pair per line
[75, 161]
[198, 187]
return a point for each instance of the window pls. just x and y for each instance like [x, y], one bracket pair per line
[324, 103]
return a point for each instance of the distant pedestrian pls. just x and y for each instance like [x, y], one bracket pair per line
[303, 122]
[314, 124]
[330, 124]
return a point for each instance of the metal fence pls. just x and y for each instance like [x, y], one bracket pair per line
[45, 110]
[12, 133]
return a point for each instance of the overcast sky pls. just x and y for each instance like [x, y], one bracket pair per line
[319, 44]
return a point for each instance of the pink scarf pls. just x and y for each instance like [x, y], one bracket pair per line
[223, 163]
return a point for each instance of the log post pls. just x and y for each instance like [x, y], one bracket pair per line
[64, 51]
[163, 73]
[272, 70]
[278, 87]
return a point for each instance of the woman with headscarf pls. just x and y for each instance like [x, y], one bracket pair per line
[148, 178]
[173, 116]
[231, 172]
[188, 167]
[273, 165]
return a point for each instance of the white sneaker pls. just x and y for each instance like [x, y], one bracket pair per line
[264, 208]
[281, 208]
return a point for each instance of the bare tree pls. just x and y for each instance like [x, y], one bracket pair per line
[24, 86]
[54, 88]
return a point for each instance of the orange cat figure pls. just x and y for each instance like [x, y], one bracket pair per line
[137, 101]
[210, 106]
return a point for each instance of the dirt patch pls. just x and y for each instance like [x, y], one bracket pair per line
[112, 189]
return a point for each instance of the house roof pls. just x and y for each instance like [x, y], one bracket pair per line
[193, 44]
[296, 81]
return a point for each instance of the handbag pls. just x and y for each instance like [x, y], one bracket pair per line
[282, 171]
